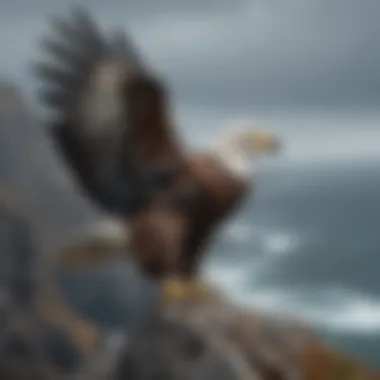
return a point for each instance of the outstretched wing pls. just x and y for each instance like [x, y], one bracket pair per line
[112, 125]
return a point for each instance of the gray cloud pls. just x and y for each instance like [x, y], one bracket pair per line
[131, 7]
[243, 54]
[283, 54]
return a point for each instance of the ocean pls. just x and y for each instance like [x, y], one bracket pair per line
[307, 244]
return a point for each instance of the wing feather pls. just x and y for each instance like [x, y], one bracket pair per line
[112, 125]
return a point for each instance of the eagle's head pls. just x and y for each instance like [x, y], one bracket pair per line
[242, 146]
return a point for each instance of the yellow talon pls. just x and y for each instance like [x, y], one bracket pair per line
[177, 290]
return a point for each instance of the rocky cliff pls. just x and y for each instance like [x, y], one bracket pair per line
[210, 339]
[28, 162]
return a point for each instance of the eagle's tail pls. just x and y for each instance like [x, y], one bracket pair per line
[108, 241]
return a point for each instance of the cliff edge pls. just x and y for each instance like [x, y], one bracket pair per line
[211, 339]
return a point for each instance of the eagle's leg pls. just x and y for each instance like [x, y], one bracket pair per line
[180, 283]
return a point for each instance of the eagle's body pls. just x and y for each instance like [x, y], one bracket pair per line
[173, 231]
[114, 130]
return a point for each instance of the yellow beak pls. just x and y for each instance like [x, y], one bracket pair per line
[255, 142]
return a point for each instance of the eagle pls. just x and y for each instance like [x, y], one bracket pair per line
[112, 124]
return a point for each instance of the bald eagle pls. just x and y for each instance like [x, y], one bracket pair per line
[113, 127]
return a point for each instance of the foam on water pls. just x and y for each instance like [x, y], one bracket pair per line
[334, 309]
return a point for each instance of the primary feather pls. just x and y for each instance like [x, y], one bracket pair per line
[111, 124]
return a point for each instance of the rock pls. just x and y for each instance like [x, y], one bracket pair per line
[39, 333]
[28, 161]
[211, 339]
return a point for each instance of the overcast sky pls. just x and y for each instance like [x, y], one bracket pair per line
[228, 59]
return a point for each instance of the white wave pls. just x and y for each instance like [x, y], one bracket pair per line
[227, 277]
[336, 310]
[238, 275]
[275, 242]
[347, 311]
[279, 243]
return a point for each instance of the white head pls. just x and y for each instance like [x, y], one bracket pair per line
[239, 147]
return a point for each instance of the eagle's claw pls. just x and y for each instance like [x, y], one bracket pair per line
[177, 290]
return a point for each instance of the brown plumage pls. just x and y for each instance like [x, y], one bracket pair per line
[114, 129]
[182, 221]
